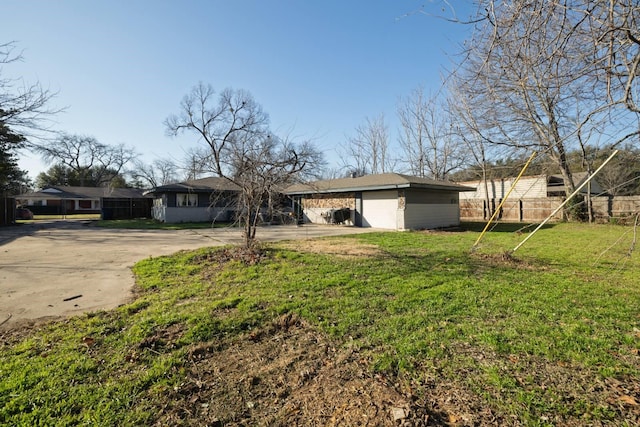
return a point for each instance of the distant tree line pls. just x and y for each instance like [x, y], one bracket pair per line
[553, 77]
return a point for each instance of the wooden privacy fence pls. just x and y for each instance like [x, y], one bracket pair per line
[536, 210]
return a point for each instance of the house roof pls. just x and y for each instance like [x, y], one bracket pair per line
[555, 183]
[203, 185]
[385, 181]
[69, 192]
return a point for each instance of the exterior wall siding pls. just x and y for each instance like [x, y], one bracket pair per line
[192, 214]
[158, 211]
[432, 197]
[529, 187]
[431, 209]
[419, 216]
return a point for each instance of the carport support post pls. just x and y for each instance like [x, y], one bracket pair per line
[566, 201]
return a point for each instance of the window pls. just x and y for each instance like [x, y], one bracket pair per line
[183, 199]
[84, 204]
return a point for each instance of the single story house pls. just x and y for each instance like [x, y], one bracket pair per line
[112, 203]
[529, 187]
[389, 201]
[533, 198]
[199, 200]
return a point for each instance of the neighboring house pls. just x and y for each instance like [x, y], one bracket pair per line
[66, 200]
[533, 198]
[389, 201]
[529, 187]
[199, 200]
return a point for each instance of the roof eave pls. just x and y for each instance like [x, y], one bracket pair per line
[378, 188]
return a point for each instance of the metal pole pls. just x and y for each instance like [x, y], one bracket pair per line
[504, 200]
[565, 202]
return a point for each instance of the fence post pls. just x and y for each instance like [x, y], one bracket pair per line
[520, 210]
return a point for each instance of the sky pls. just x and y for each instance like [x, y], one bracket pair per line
[318, 68]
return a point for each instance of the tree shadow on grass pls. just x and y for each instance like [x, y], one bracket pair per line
[503, 227]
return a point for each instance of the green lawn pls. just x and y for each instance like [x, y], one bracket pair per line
[37, 218]
[549, 335]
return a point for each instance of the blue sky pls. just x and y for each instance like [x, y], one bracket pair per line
[319, 68]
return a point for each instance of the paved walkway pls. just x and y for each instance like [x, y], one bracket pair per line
[59, 268]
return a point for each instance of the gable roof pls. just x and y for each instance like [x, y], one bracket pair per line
[384, 181]
[203, 185]
[70, 192]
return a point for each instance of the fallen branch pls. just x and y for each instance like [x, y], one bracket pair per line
[7, 319]
[72, 298]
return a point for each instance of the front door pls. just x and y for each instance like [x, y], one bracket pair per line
[358, 214]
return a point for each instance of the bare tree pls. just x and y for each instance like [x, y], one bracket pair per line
[612, 31]
[23, 107]
[157, 173]
[87, 157]
[533, 82]
[24, 111]
[470, 132]
[621, 177]
[431, 147]
[241, 149]
[197, 163]
[368, 150]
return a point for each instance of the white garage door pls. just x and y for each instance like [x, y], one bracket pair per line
[380, 209]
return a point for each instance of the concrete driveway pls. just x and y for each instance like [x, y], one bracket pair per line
[60, 268]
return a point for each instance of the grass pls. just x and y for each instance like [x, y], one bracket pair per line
[37, 218]
[533, 337]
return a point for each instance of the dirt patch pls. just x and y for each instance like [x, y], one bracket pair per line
[574, 391]
[219, 257]
[285, 375]
[12, 333]
[506, 259]
[343, 248]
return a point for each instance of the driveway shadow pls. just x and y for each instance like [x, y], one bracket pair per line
[10, 233]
